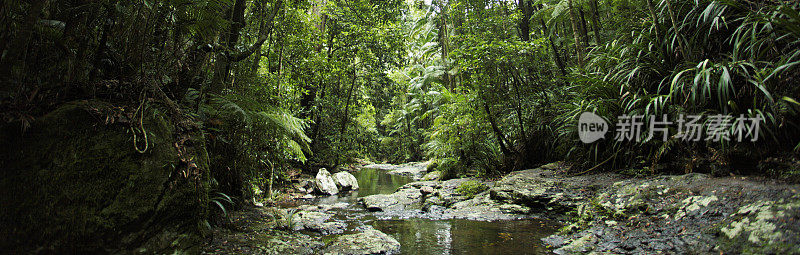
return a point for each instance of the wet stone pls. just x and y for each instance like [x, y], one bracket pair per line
[370, 241]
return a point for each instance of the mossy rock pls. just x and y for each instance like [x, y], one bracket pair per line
[432, 176]
[471, 188]
[73, 183]
[763, 227]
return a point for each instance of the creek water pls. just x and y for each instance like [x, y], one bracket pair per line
[434, 236]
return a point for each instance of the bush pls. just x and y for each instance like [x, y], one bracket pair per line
[448, 167]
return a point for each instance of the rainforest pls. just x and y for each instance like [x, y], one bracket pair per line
[400, 127]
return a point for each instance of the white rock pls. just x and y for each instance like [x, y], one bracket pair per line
[345, 181]
[324, 184]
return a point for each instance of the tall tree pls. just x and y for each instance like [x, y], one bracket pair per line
[526, 9]
[576, 33]
[228, 53]
[595, 13]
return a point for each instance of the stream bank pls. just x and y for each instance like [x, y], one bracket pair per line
[542, 210]
[336, 224]
[692, 213]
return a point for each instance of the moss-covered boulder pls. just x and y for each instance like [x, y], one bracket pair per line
[764, 227]
[73, 182]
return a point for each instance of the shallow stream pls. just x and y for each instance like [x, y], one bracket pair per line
[419, 235]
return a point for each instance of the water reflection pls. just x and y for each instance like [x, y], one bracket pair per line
[420, 236]
[374, 181]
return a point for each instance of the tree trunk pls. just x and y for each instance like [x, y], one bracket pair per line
[500, 137]
[258, 8]
[684, 51]
[237, 23]
[576, 34]
[346, 116]
[228, 55]
[525, 21]
[307, 99]
[101, 46]
[316, 113]
[222, 67]
[516, 83]
[443, 42]
[19, 45]
[584, 33]
[556, 54]
[596, 21]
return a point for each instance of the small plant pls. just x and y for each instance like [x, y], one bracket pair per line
[218, 200]
[284, 219]
[471, 188]
[275, 196]
[602, 212]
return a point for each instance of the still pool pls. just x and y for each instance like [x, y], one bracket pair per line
[422, 236]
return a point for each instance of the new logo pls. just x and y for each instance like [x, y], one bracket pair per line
[591, 127]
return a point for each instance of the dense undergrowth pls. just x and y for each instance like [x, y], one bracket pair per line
[493, 99]
[273, 88]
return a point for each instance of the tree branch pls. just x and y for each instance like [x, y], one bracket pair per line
[239, 56]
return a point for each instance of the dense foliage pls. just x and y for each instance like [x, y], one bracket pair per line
[505, 86]
[481, 87]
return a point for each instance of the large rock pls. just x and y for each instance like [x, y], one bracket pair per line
[324, 184]
[316, 221]
[432, 176]
[582, 245]
[544, 190]
[305, 186]
[345, 181]
[370, 241]
[73, 183]
[414, 170]
[482, 207]
[263, 230]
[690, 213]
[439, 200]
[380, 202]
[766, 227]
[403, 199]
[447, 193]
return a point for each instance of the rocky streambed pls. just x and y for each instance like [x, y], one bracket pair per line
[534, 211]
